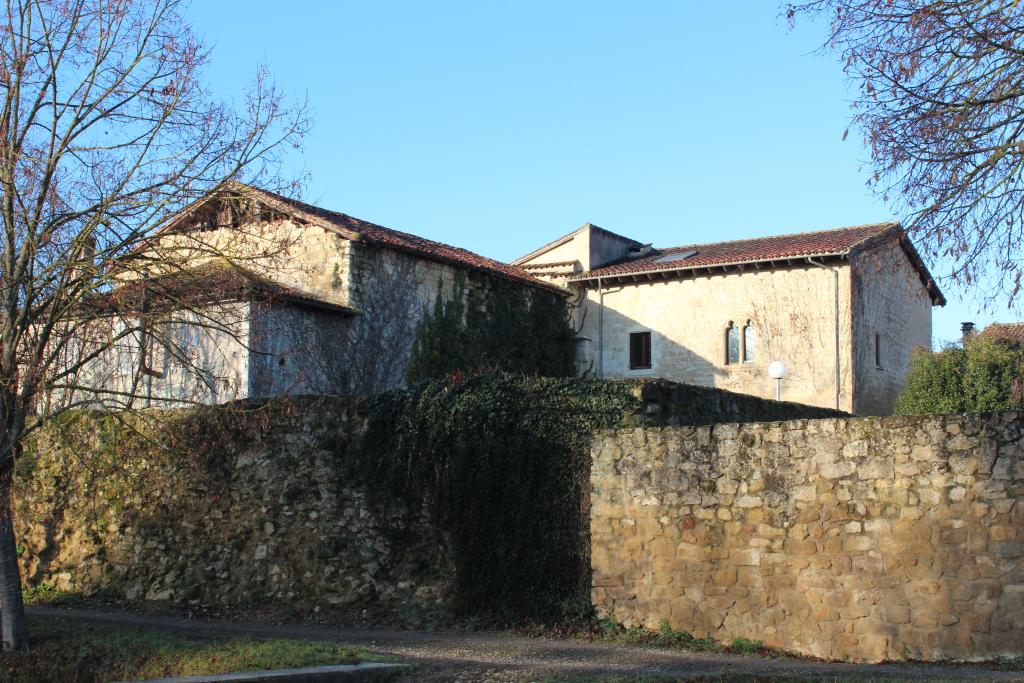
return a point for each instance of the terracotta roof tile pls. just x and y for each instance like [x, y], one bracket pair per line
[1011, 332]
[838, 242]
[552, 264]
[822, 243]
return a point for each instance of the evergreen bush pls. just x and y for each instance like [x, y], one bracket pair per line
[986, 374]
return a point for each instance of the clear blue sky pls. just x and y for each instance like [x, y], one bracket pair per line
[499, 126]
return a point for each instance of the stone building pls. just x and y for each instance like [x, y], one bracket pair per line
[250, 294]
[843, 309]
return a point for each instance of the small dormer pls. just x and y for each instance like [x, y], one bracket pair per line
[584, 249]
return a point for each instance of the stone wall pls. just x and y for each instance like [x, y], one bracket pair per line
[672, 404]
[893, 308]
[223, 508]
[248, 503]
[865, 539]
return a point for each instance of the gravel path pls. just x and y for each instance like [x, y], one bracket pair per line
[504, 657]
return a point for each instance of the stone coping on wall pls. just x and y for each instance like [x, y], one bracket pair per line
[667, 403]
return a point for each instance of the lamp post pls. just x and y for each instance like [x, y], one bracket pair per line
[777, 370]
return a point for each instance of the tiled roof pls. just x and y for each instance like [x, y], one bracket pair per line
[212, 282]
[823, 243]
[357, 229]
[839, 242]
[1011, 332]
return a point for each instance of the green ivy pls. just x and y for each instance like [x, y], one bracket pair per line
[498, 327]
[502, 461]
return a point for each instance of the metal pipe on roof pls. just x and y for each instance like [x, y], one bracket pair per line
[600, 330]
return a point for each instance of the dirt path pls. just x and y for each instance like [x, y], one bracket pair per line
[503, 657]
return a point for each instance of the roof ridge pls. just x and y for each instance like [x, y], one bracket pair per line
[809, 233]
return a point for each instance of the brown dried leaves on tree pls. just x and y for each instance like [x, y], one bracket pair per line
[940, 107]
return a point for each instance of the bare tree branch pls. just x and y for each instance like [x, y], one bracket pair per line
[941, 106]
[106, 130]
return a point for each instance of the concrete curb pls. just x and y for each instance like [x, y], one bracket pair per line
[369, 671]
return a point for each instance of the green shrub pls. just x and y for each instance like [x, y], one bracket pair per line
[983, 376]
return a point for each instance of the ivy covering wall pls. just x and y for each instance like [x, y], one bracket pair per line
[503, 461]
[493, 326]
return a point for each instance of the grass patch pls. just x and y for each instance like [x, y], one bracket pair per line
[45, 594]
[1009, 663]
[74, 651]
[610, 631]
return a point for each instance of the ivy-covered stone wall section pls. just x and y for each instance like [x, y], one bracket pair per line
[228, 507]
[474, 490]
[868, 539]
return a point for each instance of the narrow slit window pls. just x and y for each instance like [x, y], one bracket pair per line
[153, 353]
[878, 351]
[732, 345]
[639, 350]
[749, 343]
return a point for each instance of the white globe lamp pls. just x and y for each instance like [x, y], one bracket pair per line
[777, 370]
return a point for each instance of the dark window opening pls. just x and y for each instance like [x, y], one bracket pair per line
[639, 350]
[732, 344]
[153, 353]
[878, 351]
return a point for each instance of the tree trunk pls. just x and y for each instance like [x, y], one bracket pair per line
[12, 606]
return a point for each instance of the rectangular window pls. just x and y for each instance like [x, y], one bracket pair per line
[878, 351]
[639, 350]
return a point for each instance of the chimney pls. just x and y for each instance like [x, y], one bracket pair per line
[967, 331]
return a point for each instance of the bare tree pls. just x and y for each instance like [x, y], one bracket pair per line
[106, 130]
[941, 107]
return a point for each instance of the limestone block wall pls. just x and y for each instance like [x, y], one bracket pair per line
[258, 501]
[792, 311]
[893, 310]
[865, 539]
[306, 257]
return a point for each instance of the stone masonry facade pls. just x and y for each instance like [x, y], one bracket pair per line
[863, 539]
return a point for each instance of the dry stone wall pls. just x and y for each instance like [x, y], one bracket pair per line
[263, 505]
[864, 539]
